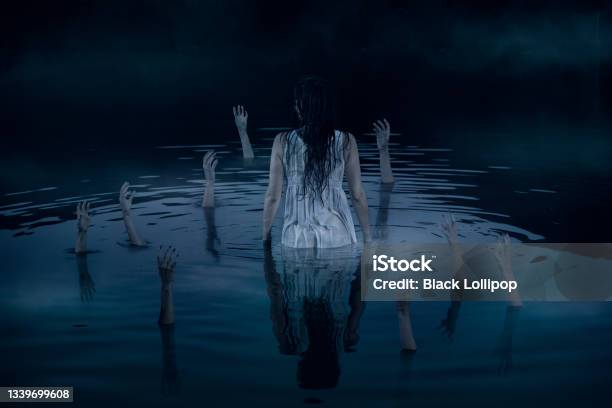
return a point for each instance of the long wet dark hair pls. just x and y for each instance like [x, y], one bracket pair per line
[314, 105]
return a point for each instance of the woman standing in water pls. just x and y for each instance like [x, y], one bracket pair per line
[314, 159]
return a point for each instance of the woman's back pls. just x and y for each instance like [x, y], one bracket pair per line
[312, 220]
[313, 160]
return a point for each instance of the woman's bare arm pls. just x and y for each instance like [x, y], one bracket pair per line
[352, 169]
[275, 187]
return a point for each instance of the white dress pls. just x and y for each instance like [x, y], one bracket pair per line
[308, 221]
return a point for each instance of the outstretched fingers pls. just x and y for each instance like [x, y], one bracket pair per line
[209, 158]
[124, 188]
[166, 258]
[239, 110]
[448, 222]
[377, 126]
[82, 209]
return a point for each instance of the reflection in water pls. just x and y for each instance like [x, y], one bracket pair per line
[215, 297]
[315, 308]
[448, 324]
[404, 377]
[504, 348]
[212, 239]
[357, 307]
[381, 231]
[472, 262]
[166, 263]
[170, 381]
[86, 283]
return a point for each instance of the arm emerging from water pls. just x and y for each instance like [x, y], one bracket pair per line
[125, 200]
[352, 169]
[503, 255]
[240, 118]
[275, 187]
[383, 131]
[209, 164]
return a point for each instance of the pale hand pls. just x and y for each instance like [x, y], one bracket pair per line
[166, 261]
[83, 217]
[125, 198]
[503, 253]
[449, 228]
[240, 118]
[209, 164]
[383, 132]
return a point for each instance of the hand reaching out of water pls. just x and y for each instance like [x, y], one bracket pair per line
[209, 164]
[449, 228]
[166, 262]
[83, 217]
[125, 200]
[382, 129]
[83, 223]
[503, 255]
[240, 119]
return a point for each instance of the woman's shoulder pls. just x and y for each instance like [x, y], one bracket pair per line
[345, 137]
[344, 133]
[281, 138]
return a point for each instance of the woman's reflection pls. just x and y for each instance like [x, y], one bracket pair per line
[315, 308]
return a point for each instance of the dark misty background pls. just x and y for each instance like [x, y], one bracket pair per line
[159, 71]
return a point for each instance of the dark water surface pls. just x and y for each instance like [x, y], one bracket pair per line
[244, 335]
